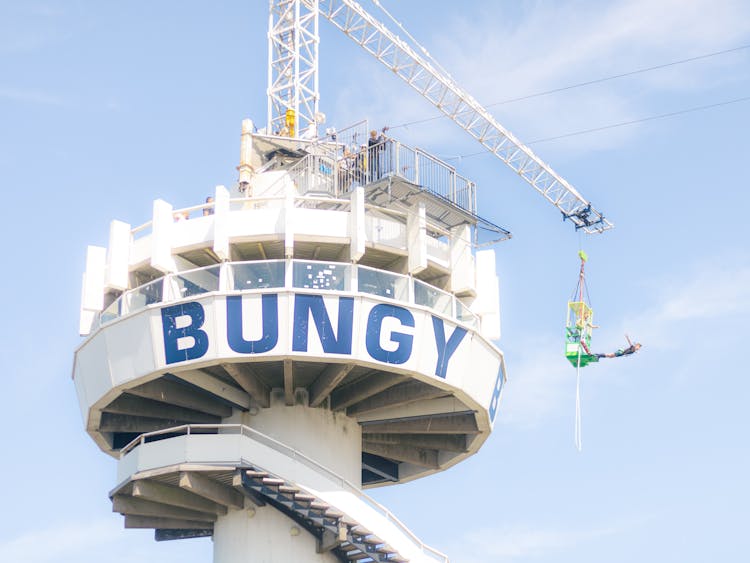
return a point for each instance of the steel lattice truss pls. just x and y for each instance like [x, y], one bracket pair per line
[443, 92]
[292, 63]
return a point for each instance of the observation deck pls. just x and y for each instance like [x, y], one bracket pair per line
[336, 307]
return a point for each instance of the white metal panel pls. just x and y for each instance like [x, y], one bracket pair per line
[321, 224]
[92, 290]
[438, 252]
[487, 303]
[130, 347]
[357, 224]
[221, 222]
[383, 230]
[161, 237]
[250, 223]
[416, 237]
[193, 233]
[118, 255]
[93, 286]
[92, 371]
[462, 261]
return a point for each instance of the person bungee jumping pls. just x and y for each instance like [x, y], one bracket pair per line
[631, 349]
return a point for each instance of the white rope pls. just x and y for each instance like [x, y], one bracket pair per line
[579, 443]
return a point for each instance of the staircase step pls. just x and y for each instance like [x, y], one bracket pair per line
[360, 530]
[373, 540]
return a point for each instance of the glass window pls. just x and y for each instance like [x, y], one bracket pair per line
[196, 282]
[384, 284]
[464, 314]
[432, 297]
[258, 275]
[112, 312]
[146, 294]
[320, 275]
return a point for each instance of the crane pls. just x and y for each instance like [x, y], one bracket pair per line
[293, 86]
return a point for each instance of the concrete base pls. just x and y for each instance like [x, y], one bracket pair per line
[264, 535]
[332, 439]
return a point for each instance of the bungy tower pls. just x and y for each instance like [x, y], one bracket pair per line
[323, 326]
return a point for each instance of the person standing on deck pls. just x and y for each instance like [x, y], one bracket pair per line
[376, 144]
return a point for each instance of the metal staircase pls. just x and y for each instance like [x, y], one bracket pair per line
[334, 530]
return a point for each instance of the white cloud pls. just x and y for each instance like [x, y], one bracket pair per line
[497, 57]
[709, 300]
[716, 293]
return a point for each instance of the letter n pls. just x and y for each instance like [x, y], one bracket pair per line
[307, 305]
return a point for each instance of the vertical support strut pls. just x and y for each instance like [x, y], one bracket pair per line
[293, 67]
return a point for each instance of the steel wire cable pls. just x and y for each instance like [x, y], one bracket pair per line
[586, 83]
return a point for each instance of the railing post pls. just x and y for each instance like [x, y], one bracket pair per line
[288, 273]
[416, 167]
[166, 289]
[224, 274]
[397, 159]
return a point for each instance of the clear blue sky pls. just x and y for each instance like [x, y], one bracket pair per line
[107, 106]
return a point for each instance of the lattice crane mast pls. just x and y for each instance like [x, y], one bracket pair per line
[292, 75]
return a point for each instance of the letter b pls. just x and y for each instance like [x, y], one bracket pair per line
[169, 315]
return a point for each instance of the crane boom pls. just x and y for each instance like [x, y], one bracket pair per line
[453, 101]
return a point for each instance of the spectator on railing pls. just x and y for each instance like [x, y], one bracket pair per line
[346, 166]
[360, 166]
[209, 209]
[180, 216]
[376, 144]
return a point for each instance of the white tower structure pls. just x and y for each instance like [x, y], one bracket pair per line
[256, 361]
[324, 326]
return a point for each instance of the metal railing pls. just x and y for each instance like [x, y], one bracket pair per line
[292, 453]
[230, 277]
[359, 166]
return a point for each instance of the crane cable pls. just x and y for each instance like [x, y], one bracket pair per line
[582, 287]
[577, 437]
[577, 85]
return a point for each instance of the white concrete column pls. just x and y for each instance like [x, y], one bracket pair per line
[118, 256]
[333, 440]
[462, 261]
[246, 151]
[487, 303]
[264, 535]
[221, 223]
[289, 225]
[357, 231]
[92, 291]
[416, 239]
[161, 237]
